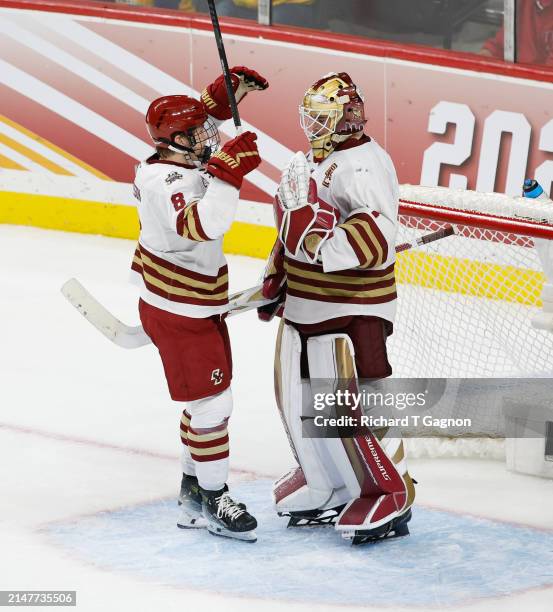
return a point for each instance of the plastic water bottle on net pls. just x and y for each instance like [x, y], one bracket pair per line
[533, 190]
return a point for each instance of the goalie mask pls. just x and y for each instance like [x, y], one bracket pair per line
[170, 116]
[332, 110]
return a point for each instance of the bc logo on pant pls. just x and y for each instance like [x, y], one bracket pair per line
[217, 376]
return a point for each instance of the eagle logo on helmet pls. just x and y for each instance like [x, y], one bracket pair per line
[332, 110]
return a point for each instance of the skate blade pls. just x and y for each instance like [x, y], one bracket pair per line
[196, 525]
[360, 539]
[294, 523]
[327, 518]
[243, 536]
[188, 520]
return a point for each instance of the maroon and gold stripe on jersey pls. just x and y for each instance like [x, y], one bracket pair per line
[189, 224]
[177, 284]
[308, 281]
[366, 239]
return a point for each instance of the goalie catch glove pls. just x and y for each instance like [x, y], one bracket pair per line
[304, 221]
[237, 157]
[215, 98]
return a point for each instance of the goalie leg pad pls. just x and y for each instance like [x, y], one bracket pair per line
[373, 470]
[331, 359]
[308, 487]
[292, 491]
[378, 512]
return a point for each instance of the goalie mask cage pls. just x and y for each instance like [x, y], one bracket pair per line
[466, 302]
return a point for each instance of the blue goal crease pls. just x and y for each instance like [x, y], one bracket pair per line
[449, 559]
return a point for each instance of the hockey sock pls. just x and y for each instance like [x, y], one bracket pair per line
[209, 449]
[187, 463]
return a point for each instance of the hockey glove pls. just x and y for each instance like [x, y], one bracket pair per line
[244, 80]
[237, 157]
[273, 284]
[303, 220]
[270, 311]
[274, 276]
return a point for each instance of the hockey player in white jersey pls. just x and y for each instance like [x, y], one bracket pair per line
[187, 199]
[334, 263]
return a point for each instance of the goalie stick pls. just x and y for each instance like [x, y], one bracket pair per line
[449, 230]
[129, 336]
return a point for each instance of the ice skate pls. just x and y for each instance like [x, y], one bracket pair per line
[190, 503]
[226, 518]
[396, 528]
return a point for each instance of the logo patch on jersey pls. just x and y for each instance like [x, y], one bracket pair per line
[172, 177]
[217, 376]
[328, 175]
[136, 192]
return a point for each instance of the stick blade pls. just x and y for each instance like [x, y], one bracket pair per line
[109, 326]
[247, 299]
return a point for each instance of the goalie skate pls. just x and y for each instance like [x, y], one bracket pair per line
[226, 518]
[396, 528]
[190, 503]
[313, 518]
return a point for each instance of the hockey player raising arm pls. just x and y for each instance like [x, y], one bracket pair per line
[187, 198]
[334, 260]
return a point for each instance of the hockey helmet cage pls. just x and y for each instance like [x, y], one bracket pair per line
[332, 110]
[169, 116]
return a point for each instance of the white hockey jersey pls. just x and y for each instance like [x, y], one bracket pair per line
[179, 261]
[357, 272]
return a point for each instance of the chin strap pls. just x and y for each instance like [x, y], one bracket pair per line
[195, 159]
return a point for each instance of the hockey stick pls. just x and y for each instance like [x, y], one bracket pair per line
[128, 336]
[224, 65]
[449, 230]
[270, 309]
[111, 327]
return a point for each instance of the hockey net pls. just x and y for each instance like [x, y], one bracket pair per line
[466, 303]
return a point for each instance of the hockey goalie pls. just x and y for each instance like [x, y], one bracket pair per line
[333, 267]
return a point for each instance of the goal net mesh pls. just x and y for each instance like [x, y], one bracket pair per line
[466, 302]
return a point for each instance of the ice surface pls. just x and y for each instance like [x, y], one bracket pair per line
[87, 427]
